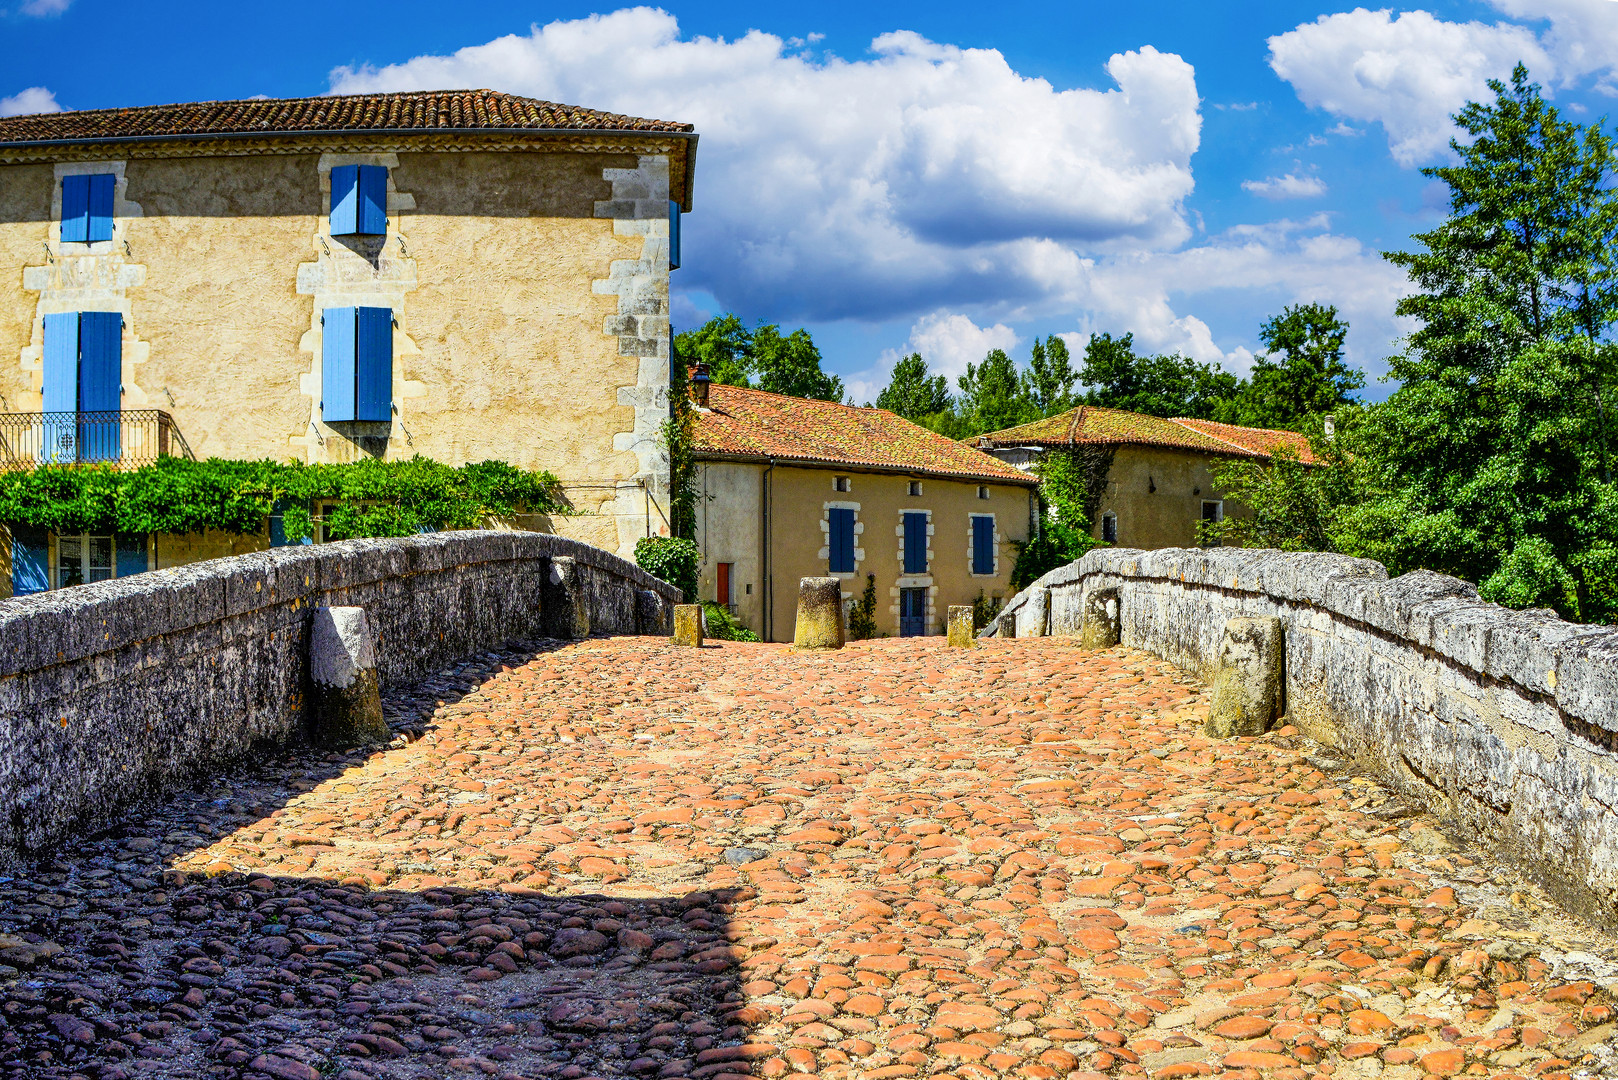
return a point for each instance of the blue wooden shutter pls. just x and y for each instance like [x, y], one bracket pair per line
[674, 235]
[131, 554]
[75, 209]
[100, 215]
[373, 365]
[337, 352]
[58, 439]
[842, 540]
[345, 200]
[915, 543]
[373, 201]
[30, 560]
[101, 354]
[983, 545]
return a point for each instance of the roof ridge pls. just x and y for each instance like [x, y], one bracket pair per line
[1187, 422]
[1078, 422]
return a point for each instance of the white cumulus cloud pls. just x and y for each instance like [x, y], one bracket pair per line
[1408, 74]
[1289, 186]
[922, 176]
[947, 340]
[42, 8]
[1412, 72]
[35, 99]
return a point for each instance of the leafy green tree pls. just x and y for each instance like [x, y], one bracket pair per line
[1171, 385]
[1301, 376]
[993, 395]
[1070, 486]
[724, 344]
[913, 392]
[1048, 383]
[790, 364]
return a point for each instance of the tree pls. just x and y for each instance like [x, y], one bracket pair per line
[1301, 376]
[1491, 460]
[1048, 383]
[1171, 385]
[913, 392]
[722, 343]
[992, 395]
[790, 364]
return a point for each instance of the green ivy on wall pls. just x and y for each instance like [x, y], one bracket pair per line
[375, 498]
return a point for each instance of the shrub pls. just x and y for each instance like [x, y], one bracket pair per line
[673, 559]
[984, 609]
[722, 626]
[862, 616]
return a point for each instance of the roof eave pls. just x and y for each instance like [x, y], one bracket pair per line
[860, 466]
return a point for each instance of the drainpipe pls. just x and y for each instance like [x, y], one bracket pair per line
[766, 584]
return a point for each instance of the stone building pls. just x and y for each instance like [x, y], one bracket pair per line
[791, 488]
[464, 275]
[1160, 481]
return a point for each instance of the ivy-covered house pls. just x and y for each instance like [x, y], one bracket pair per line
[460, 276]
[1154, 477]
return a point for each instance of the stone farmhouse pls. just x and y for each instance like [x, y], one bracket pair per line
[465, 275]
[792, 488]
[1160, 481]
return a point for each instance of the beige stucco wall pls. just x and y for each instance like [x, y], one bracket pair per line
[730, 529]
[1157, 494]
[530, 292]
[799, 498]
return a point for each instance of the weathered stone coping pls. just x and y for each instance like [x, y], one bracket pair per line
[1504, 722]
[128, 688]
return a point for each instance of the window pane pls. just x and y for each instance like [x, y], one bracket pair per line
[69, 561]
[99, 566]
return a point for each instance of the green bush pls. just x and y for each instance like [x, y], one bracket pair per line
[672, 558]
[862, 616]
[175, 495]
[984, 609]
[721, 626]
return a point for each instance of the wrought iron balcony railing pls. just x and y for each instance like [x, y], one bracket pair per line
[128, 439]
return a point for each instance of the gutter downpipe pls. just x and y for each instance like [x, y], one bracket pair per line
[768, 582]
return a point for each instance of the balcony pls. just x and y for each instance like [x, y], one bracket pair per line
[128, 439]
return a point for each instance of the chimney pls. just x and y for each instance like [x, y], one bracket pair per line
[1331, 426]
[699, 385]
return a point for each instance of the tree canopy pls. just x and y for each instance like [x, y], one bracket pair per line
[781, 363]
[1301, 376]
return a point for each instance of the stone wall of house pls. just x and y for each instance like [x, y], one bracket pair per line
[125, 689]
[1503, 723]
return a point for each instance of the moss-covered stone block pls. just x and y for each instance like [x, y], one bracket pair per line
[820, 614]
[1249, 684]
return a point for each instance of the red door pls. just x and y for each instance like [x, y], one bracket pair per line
[724, 584]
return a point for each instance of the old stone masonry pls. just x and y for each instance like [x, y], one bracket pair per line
[618, 857]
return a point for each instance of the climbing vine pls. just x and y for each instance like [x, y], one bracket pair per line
[1071, 483]
[373, 498]
[679, 435]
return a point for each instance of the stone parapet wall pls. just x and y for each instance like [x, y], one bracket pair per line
[125, 689]
[1504, 723]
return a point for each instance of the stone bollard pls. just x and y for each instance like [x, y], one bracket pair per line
[1005, 624]
[688, 625]
[566, 614]
[1035, 617]
[1101, 620]
[345, 704]
[1249, 684]
[820, 614]
[960, 626]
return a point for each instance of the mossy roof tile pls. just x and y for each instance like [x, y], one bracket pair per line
[1090, 425]
[751, 424]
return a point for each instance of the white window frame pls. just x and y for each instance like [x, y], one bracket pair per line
[825, 540]
[1112, 517]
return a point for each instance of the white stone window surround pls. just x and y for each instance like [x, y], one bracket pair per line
[79, 276]
[825, 537]
[997, 539]
[899, 531]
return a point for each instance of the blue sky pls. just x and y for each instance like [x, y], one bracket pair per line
[933, 177]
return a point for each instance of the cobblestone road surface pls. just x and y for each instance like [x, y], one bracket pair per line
[619, 858]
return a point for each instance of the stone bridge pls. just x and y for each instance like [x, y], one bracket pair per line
[617, 857]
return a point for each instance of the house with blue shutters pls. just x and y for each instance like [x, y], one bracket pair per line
[462, 275]
[791, 488]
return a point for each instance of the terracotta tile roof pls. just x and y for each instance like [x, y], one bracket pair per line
[754, 425]
[429, 109]
[1091, 425]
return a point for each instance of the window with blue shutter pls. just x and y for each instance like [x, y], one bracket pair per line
[30, 560]
[359, 200]
[131, 557]
[983, 545]
[356, 364]
[674, 235]
[841, 521]
[915, 528]
[87, 208]
[101, 355]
